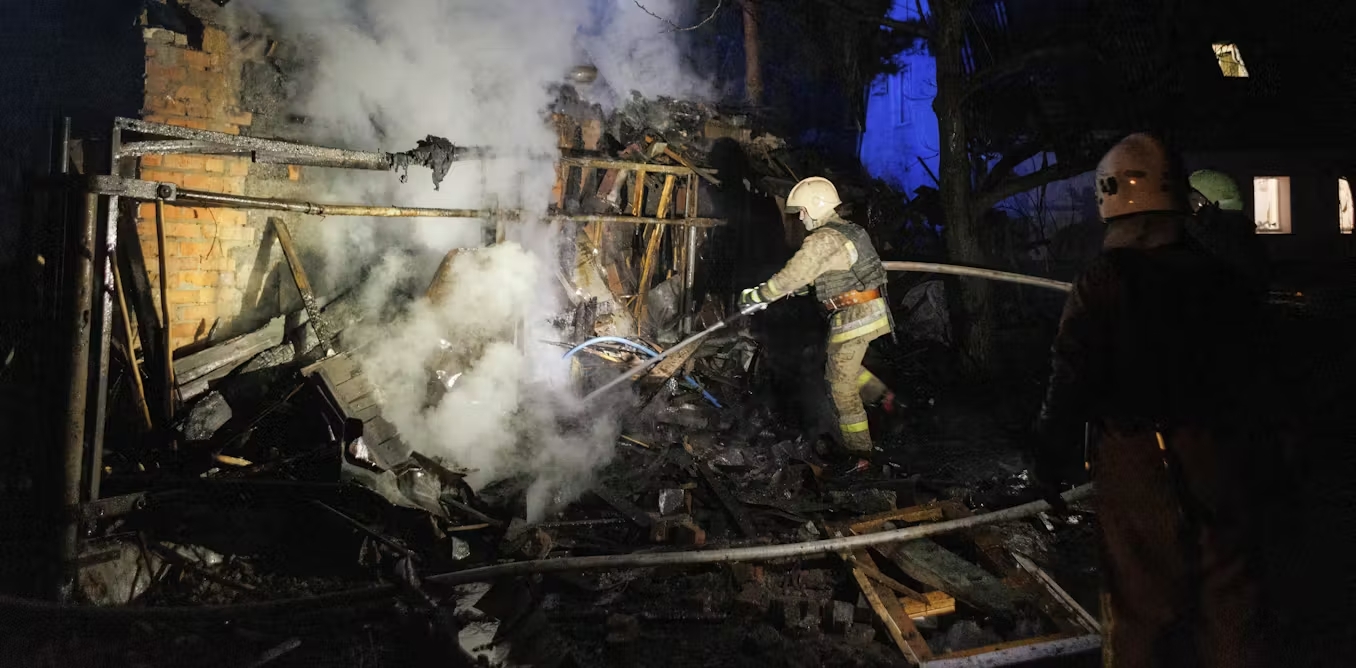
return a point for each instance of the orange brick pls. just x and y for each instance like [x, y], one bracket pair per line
[178, 297]
[165, 74]
[184, 332]
[217, 263]
[236, 232]
[226, 279]
[293, 173]
[228, 128]
[214, 164]
[187, 230]
[183, 212]
[198, 110]
[196, 312]
[161, 175]
[150, 50]
[192, 248]
[191, 162]
[238, 167]
[174, 263]
[199, 279]
[207, 296]
[204, 182]
[214, 40]
[195, 123]
[163, 103]
[150, 161]
[199, 60]
[234, 185]
[187, 92]
[240, 118]
[228, 216]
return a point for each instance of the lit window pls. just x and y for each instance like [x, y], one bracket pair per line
[1271, 204]
[1230, 60]
[1345, 215]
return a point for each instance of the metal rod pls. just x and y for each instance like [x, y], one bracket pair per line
[488, 573]
[107, 256]
[139, 389]
[1021, 654]
[77, 396]
[246, 202]
[140, 148]
[64, 164]
[643, 220]
[374, 160]
[957, 270]
[167, 368]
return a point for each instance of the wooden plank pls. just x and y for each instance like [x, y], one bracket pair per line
[666, 196]
[638, 196]
[646, 269]
[986, 538]
[898, 625]
[935, 566]
[601, 163]
[861, 559]
[678, 157]
[873, 523]
[938, 603]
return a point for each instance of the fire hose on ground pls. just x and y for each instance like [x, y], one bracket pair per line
[518, 568]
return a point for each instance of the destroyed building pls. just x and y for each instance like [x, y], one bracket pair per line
[332, 387]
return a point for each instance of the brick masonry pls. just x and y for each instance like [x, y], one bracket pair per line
[206, 249]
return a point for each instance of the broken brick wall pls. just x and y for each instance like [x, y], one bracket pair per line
[223, 269]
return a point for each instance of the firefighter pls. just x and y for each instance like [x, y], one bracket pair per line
[838, 259]
[1153, 350]
[1222, 228]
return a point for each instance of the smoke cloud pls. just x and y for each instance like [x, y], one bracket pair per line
[386, 73]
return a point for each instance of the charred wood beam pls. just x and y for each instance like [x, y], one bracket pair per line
[308, 300]
[334, 157]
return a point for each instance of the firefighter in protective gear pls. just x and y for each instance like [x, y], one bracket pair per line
[1222, 229]
[1153, 350]
[837, 258]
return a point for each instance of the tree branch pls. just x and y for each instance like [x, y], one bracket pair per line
[983, 201]
[1016, 65]
[705, 21]
[1011, 158]
[914, 28]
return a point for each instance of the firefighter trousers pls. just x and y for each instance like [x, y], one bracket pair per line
[1178, 552]
[849, 384]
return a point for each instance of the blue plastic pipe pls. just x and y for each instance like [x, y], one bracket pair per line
[642, 348]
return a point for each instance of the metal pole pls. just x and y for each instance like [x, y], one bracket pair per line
[77, 397]
[315, 209]
[957, 270]
[65, 150]
[568, 564]
[167, 371]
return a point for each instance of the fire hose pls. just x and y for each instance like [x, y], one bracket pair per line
[379, 593]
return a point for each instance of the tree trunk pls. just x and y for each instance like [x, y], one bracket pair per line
[963, 241]
[753, 65]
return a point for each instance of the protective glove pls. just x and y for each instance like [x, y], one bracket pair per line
[751, 296]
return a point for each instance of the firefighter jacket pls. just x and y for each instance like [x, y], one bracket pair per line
[838, 257]
[1154, 332]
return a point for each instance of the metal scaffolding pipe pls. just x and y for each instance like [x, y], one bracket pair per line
[570, 564]
[152, 147]
[977, 272]
[77, 394]
[313, 208]
[314, 155]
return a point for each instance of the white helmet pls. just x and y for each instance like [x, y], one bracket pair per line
[816, 196]
[1136, 176]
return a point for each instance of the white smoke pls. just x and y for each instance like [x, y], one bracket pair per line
[386, 73]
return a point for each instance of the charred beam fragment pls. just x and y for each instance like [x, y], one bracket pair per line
[322, 328]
